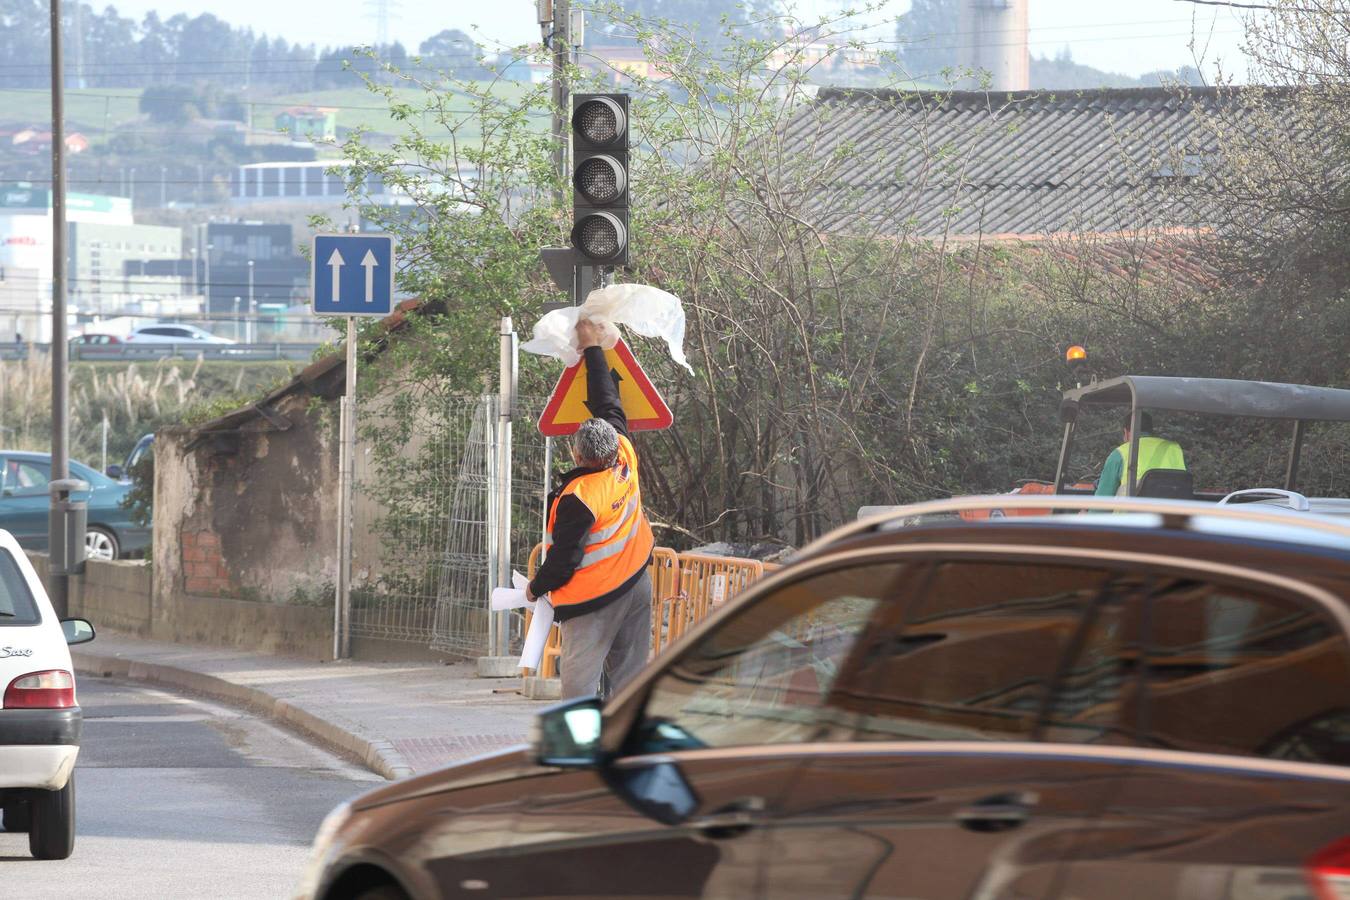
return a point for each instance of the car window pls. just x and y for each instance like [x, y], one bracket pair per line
[976, 653]
[764, 675]
[1232, 671]
[17, 605]
[26, 477]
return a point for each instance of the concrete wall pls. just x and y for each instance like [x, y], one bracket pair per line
[109, 594]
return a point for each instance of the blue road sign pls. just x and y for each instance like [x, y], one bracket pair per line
[353, 274]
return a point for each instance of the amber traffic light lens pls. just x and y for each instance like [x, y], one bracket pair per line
[1075, 354]
[600, 179]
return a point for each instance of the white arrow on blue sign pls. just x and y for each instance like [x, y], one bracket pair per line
[353, 274]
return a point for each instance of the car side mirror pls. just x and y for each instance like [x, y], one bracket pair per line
[114, 471]
[77, 631]
[568, 734]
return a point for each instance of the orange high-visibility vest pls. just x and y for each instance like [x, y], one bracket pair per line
[620, 542]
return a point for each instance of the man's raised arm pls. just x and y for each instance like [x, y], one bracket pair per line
[602, 394]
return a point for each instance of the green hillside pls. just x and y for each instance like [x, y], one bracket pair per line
[95, 112]
[88, 111]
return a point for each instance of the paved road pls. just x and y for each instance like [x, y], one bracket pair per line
[179, 797]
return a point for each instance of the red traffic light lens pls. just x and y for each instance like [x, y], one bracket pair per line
[600, 121]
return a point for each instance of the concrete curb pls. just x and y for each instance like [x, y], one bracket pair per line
[379, 756]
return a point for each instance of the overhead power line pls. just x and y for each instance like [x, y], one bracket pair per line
[1267, 6]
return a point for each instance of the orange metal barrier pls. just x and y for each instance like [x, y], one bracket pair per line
[685, 589]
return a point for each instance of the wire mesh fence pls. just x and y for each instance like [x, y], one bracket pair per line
[423, 516]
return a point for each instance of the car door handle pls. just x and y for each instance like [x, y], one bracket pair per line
[731, 820]
[1001, 812]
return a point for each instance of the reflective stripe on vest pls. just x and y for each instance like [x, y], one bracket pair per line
[1154, 453]
[620, 541]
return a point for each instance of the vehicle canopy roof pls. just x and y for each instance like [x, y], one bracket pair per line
[1213, 396]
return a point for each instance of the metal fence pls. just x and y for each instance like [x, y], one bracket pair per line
[421, 564]
[185, 350]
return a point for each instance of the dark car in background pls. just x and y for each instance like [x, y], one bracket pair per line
[25, 500]
[122, 471]
[1129, 698]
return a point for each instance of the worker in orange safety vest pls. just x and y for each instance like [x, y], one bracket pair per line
[599, 543]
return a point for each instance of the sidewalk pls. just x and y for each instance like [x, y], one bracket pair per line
[399, 718]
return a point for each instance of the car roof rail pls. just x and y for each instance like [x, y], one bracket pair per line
[1294, 500]
[1175, 514]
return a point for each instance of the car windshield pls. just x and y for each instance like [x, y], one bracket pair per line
[17, 606]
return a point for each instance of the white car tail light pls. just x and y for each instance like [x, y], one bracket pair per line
[53, 689]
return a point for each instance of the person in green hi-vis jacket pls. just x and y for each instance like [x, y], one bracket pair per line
[1154, 453]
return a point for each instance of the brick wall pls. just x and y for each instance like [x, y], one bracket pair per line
[204, 572]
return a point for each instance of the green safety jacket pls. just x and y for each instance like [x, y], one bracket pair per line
[1154, 453]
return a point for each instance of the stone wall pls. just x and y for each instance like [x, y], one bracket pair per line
[110, 594]
[247, 518]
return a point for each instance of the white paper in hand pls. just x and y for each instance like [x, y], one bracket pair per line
[537, 636]
[514, 598]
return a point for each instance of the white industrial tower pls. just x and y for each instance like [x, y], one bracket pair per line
[994, 39]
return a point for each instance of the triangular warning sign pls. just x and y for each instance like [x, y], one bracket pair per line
[644, 407]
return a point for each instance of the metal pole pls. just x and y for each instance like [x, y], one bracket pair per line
[104, 466]
[561, 24]
[548, 486]
[58, 582]
[1295, 451]
[506, 406]
[346, 468]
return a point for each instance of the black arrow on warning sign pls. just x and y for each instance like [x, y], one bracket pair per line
[618, 379]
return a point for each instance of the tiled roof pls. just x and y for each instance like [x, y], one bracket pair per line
[1009, 164]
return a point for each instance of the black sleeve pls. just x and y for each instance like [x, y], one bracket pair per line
[602, 394]
[570, 527]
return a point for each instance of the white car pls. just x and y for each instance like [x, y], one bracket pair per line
[174, 334]
[39, 716]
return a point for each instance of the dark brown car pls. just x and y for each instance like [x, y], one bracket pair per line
[1149, 704]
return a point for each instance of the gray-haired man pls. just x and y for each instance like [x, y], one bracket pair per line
[599, 543]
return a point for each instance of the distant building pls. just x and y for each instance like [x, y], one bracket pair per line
[34, 140]
[106, 256]
[278, 274]
[524, 69]
[621, 61]
[308, 123]
[298, 184]
[822, 56]
[107, 267]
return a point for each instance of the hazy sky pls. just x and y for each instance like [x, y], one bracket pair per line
[1127, 37]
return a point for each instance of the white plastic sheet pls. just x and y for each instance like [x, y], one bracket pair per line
[649, 311]
[513, 598]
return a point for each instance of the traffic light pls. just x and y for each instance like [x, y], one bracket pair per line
[600, 179]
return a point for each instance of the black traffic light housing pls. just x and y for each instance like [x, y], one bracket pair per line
[600, 181]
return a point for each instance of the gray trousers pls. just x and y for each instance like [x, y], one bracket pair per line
[615, 639]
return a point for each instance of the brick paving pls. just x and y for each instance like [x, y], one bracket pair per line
[424, 754]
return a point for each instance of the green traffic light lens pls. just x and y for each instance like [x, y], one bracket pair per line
[600, 236]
